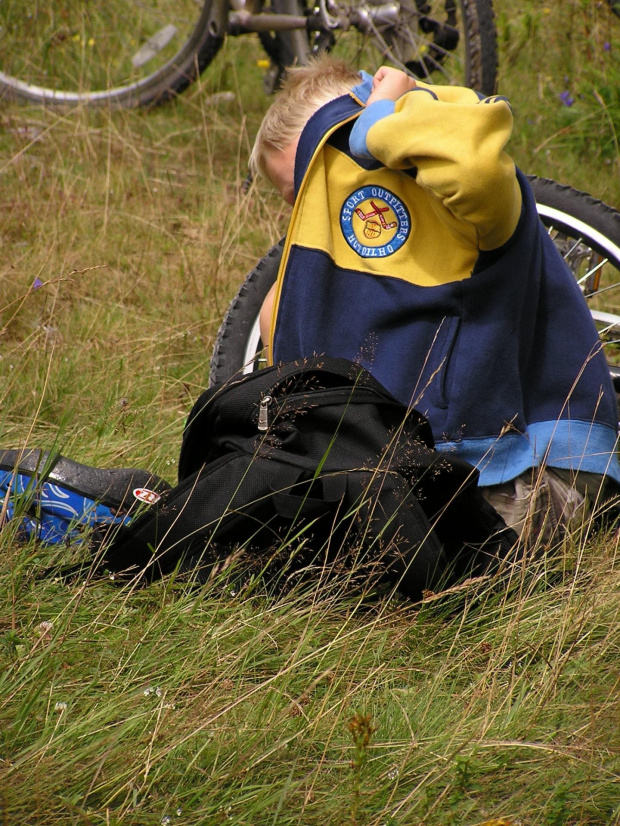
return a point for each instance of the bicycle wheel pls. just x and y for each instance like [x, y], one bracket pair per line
[439, 41]
[123, 52]
[585, 230]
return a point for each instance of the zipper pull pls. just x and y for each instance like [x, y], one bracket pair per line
[263, 413]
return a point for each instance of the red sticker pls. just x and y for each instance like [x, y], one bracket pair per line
[146, 495]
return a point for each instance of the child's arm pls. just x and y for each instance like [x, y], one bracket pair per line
[455, 141]
[265, 316]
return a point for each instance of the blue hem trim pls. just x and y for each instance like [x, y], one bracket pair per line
[569, 444]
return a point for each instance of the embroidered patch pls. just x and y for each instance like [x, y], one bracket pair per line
[374, 222]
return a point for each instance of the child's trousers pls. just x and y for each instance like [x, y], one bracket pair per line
[543, 505]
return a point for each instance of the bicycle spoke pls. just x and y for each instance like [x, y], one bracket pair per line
[154, 45]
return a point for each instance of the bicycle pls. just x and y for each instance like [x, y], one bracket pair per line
[585, 230]
[143, 52]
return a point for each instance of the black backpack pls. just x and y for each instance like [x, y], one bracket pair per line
[308, 467]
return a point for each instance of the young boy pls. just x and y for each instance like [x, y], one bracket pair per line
[415, 249]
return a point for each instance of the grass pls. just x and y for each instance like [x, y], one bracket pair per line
[126, 707]
[168, 705]
[559, 66]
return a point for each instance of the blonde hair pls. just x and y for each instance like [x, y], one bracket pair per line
[304, 90]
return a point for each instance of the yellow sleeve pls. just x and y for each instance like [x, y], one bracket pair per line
[457, 144]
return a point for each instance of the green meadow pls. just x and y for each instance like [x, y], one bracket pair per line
[123, 237]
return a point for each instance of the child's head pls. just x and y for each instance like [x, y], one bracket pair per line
[304, 91]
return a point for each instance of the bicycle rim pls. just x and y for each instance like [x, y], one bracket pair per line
[128, 51]
[438, 41]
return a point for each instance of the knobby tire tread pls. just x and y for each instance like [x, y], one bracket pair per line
[580, 205]
[230, 344]
[479, 18]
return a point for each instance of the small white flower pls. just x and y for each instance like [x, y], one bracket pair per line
[393, 773]
[45, 627]
[59, 708]
[166, 820]
[158, 692]
[179, 812]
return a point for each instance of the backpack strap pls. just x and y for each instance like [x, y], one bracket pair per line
[308, 497]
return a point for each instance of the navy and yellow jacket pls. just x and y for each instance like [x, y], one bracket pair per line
[420, 255]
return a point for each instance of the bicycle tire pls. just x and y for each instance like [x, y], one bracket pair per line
[44, 50]
[578, 224]
[237, 344]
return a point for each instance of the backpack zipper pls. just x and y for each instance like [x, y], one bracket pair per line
[263, 413]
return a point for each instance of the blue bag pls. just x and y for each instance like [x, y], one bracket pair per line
[57, 500]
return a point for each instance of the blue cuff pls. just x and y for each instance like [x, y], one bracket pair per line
[373, 113]
[362, 90]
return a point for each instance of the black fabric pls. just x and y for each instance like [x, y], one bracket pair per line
[342, 475]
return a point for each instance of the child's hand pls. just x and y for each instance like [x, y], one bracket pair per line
[389, 84]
